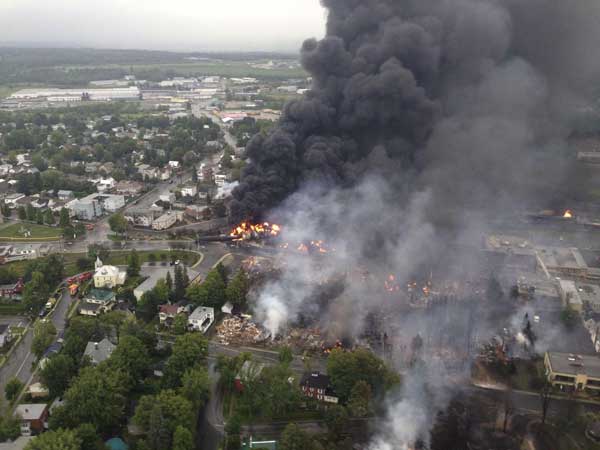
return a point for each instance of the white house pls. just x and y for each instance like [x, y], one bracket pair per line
[108, 276]
[189, 191]
[201, 319]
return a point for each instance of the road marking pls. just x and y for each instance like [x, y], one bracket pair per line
[23, 364]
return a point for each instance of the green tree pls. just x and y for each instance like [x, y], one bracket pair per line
[55, 440]
[43, 335]
[133, 264]
[180, 324]
[57, 374]
[36, 292]
[183, 439]
[118, 223]
[10, 428]
[160, 415]
[96, 396]
[13, 388]
[162, 291]
[169, 281]
[131, 357]
[188, 350]
[49, 217]
[39, 217]
[336, 419]
[285, 355]
[196, 386]
[64, 220]
[294, 438]
[347, 368]
[359, 404]
[22, 213]
[179, 284]
[237, 289]
[211, 292]
[31, 212]
[90, 439]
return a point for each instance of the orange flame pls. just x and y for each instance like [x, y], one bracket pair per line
[246, 230]
[568, 214]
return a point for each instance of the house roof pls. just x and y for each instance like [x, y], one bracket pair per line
[315, 380]
[30, 411]
[116, 444]
[169, 309]
[201, 311]
[572, 364]
[99, 351]
[101, 295]
[87, 306]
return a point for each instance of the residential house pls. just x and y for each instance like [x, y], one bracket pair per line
[195, 212]
[38, 390]
[129, 188]
[147, 171]
[98, 352]
[316, 385]
[201, 319]
[85, 208]
[92, 167]
[167, 313]
[105, 184]
[5, 335]
[97, 301]
[108, 277]
[174, 164]
[569, 371]
[169, 197]
[189, 190]
[33, 417]
[165, 221]
[65, 195]
[221, 179]
[11, 200]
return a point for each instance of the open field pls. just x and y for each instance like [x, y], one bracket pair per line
[38, 232]
[117, 258]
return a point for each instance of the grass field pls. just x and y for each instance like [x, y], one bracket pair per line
[222, 68]
[116, 258]
[15, 231]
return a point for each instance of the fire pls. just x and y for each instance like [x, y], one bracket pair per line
[568, 214]
[247, 230]
[391, 285]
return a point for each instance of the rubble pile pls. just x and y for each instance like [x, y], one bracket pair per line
[240, 331]
[303, 338]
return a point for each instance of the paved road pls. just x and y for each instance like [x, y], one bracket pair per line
[199, 112]
[21, 362]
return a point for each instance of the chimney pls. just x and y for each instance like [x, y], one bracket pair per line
[96, 345]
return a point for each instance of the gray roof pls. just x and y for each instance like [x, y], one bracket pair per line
[30, 411]
[99, 351]
[572, 364]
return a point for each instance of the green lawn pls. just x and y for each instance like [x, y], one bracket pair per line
[17, 231]
[116, 258]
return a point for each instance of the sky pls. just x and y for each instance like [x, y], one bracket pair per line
[179, 25]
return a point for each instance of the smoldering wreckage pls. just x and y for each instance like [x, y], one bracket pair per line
[426, 119]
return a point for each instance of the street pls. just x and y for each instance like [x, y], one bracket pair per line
[21, 361]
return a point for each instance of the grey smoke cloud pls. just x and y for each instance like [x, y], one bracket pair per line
[426, 118]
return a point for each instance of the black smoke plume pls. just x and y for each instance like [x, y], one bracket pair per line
[409, 77]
